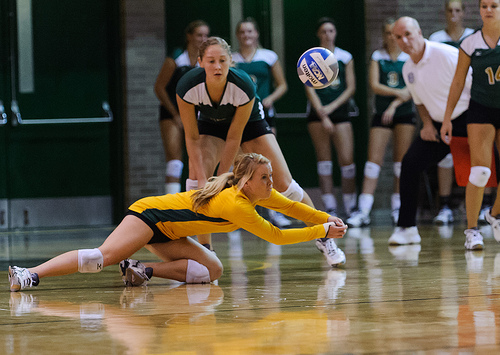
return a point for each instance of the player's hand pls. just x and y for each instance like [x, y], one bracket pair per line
[334, 230]
[388, 116]
[429, 133]
[328, 125]
[446, 130]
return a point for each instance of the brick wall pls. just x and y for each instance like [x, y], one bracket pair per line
[144, 55]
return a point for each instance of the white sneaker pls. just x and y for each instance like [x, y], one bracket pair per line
[473, 240]
[278, 219]
[358, 219]
[495, 225]
[133, 272]
[20, 278]
[402, 236]
[395, 216]
[333, 254]
[444, 216]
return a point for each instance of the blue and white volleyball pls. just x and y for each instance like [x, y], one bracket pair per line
[317, 67]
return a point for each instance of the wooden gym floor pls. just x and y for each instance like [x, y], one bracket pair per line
[433, 298]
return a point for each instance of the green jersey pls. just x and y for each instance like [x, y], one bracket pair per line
[391, 75]
[485, 64]
[239, 91]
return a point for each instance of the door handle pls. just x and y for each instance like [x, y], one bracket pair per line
[3, 115]
[14, 108]
[108, 117]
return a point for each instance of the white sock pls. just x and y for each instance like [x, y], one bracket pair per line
[329, 202]
[365, 203]
[395, 201]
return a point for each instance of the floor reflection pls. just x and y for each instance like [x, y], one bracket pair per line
[429, 298]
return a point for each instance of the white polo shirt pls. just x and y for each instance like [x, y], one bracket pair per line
[429, 80]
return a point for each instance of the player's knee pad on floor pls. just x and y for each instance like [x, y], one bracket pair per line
[90, 260]
[325, 168]
[446, 162]
[372, 170]
[479, 175]
[191, 184]
[294, 192]
[174, 168]
[197, 273]
[396, 169]
[348, 171]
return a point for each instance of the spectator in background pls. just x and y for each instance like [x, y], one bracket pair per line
[329, 121]
[394, 116]
[172, 134]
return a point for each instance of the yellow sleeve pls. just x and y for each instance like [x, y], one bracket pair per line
[297, 210]
[242, 213]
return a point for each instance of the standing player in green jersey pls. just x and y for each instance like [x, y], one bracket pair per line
[481, 52]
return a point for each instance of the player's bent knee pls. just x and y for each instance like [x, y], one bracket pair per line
[197, 273]
[174, 168]
[325, 168]
[372, 170]
[479, 175]
[90, 260]
[348, 171]
[294, 192]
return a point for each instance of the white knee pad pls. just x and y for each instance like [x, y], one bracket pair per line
[325, 168]
[348, 171]
[191, 184]
[294, 192]
[372, 170]
[479, 175]
[396, 169]
[197, 273]
[446, 162]
[174, 168]
[90, 260]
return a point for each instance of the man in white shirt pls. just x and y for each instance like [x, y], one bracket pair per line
[428, 75]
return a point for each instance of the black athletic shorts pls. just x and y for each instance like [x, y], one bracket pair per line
[252, 130]
[405, 119]
[158, 236]
[478, 113]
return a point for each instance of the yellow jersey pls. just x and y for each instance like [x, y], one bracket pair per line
[231, 209]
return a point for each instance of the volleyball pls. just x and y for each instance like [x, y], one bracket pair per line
[317, 67]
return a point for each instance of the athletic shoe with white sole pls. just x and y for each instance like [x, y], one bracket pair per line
[20, 278]
[333, 254]
[473, 240]
[135, 273]
[444, 216]
[495, 224]
[358, 219]
[402, 236]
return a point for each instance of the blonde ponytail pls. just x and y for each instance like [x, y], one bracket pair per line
[213, 187]
[244, 167]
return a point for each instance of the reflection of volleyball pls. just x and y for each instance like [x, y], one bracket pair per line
[317, 67]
